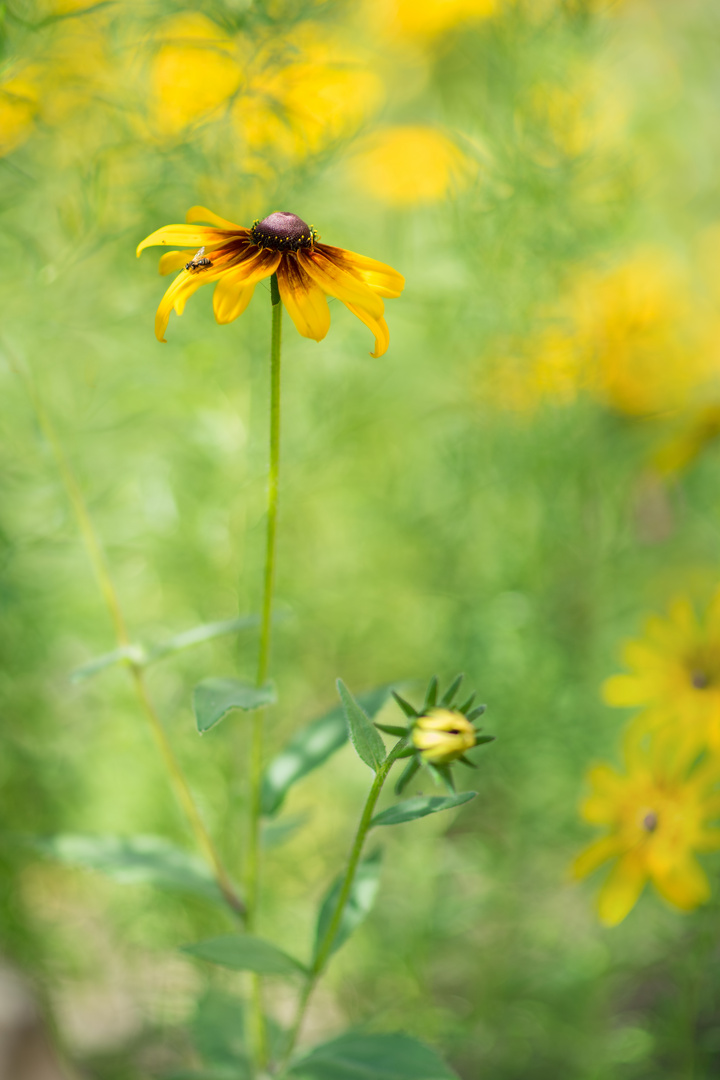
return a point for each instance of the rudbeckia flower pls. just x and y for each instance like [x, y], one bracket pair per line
[658, 815]
[236, 259]
[674, 676]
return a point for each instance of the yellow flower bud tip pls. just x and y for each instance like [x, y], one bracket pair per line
[443, 735]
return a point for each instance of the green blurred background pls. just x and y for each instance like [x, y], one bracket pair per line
[528, 470]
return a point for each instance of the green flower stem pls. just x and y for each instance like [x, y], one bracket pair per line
[324, 949]
[107, 588]
[256, 751]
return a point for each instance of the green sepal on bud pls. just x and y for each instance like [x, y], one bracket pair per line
[438, 734]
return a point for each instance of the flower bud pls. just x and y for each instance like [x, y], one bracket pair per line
[443, 736]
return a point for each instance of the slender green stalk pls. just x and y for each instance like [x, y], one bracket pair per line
[107, 588]
[256, 752]
[324, 949]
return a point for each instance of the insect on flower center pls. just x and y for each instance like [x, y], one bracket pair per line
[283, 231]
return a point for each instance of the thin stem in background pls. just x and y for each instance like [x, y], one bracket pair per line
[256, 753]
[107, 588]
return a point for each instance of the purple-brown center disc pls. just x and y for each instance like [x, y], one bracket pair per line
[282, 231]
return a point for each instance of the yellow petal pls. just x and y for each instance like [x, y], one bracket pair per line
[622, 888]
[340, 283]
[231, 297]
[378, 326]
[183, 286]
[175, 260]
[201, 213]
[594, 856]
[182, 236]
[304, 299]
[234, 298]
[685, 885]
[378, 275]
[624, 690]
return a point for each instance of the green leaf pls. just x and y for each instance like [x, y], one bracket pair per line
[134, 860]
[200, 634]
[361, 899]
[359, 1056]
[310, 747]
[392, 729]
[369, 747]
[134, 654]
[142, 656]
[215, 698]
[420, 806]
[244, 952]
[275, 833]
[218, 1034]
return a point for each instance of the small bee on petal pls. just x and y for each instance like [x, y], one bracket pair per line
[198, 261]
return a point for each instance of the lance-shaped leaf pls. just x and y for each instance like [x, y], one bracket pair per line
[215, 698]
[310, 747]
[134, 654]
[134, 860]
[420, 806]
[360, 1056]
[364, 736]
[244, 952]
[360, 901]
[198, 635]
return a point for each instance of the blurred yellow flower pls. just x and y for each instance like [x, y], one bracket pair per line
[428, 18]
[19, 105]
[193, 72]
[409, 165]
[658, 815]
[236, 259]
[443, 735]
[674, 676]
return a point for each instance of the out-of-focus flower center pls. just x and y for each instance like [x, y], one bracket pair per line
[283, 231]
[650, 821]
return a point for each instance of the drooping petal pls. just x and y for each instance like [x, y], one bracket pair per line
[304, 299]
[201, 213]
[183, 236]
[378, 275]
[685, 884]
[183, 286]
[338, 282]
[235, 286]
[175, 260]
[378, 326]
[595, 855]
[622, 888]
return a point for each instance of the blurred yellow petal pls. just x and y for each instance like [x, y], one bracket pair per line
[407, 166]
[201, 213]
[622, 889]
[334, 281]
[624, 691]
[305, 301]
[684, 884]
[607, 847]
[378, 326]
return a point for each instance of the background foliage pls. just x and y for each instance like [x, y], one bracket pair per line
[506, 492]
